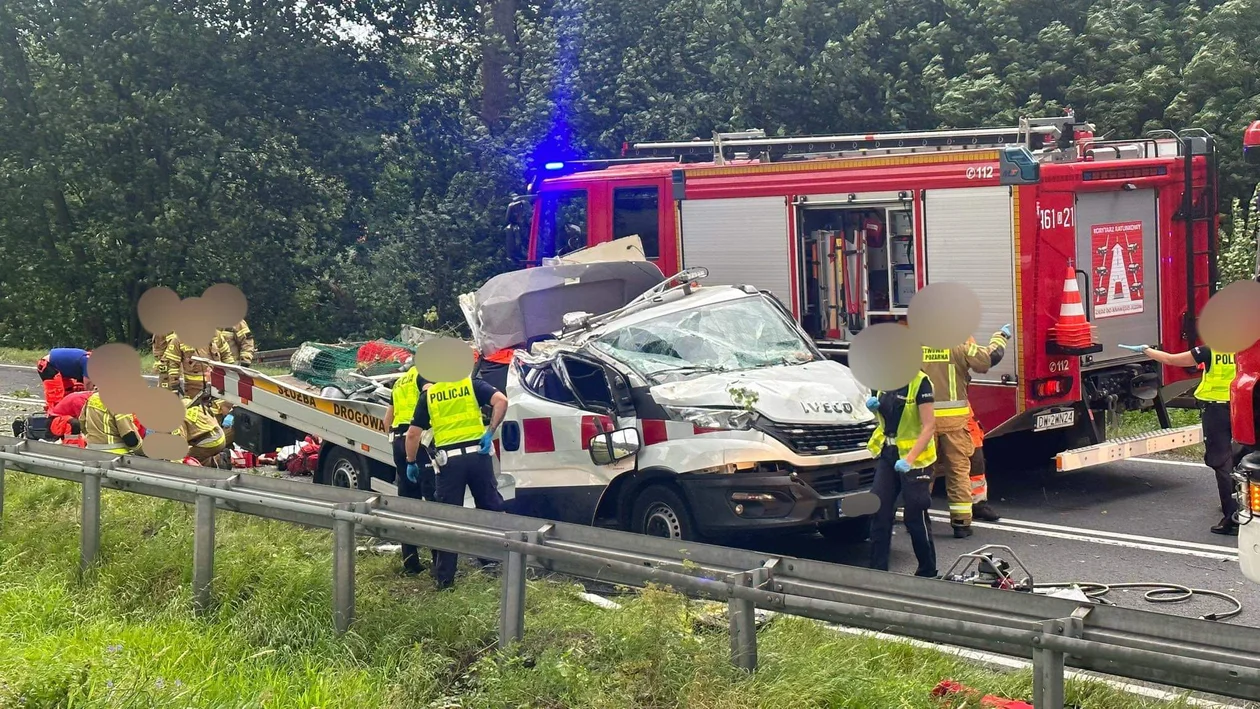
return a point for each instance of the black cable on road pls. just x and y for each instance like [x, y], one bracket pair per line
[1157, 593]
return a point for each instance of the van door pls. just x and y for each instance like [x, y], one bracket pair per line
[544, 443]
[1117, 245]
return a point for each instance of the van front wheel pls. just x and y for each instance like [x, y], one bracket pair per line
[660, 511]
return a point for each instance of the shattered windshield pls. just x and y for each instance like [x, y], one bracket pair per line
[739, 334]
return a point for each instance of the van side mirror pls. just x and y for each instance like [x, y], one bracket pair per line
[608, 448]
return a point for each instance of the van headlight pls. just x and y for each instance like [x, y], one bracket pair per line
[718, 419]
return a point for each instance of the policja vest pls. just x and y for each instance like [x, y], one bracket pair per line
[1217, 376]
[454, 413]
[908, 430]
[405, 395]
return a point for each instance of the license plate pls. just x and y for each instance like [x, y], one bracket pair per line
[1055, 419]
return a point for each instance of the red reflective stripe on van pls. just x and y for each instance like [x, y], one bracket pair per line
[216, 380]
[654, 431]
[593, 425]
[538, 435]
[245, 387]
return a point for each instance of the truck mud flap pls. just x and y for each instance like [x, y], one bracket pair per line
[1129, 447]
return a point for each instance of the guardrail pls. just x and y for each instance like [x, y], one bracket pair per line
[1142, 645]
[274, 356]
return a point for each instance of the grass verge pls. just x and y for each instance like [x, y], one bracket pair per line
[1132, 423]
[126, 635]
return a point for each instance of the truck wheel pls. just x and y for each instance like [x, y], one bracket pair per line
[345, 469]
[850, 530]
[659, 511]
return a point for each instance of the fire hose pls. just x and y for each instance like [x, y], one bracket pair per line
[982, 568]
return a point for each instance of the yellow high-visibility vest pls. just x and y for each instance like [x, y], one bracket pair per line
[454, 414]
[1217, 376]
[405, 396]
[908, 429]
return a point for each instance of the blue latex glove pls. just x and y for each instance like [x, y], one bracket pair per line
[1006, 330]
[872, 403]
[1135, 348]
[486, 439]
[227, 421]
[902, 466]
[413, 472]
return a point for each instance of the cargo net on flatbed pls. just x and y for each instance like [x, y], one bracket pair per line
[344, 366]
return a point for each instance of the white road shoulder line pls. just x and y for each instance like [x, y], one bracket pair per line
[1115, 535]
[1184, 463]
[1166, 546]
[34, 403]
[27, 367]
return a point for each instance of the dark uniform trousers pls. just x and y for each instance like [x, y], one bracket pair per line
[475, 472]
[916, 492]
[423, 490]
[1219, 453]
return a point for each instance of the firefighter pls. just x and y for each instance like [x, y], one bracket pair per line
[464, 444]
[950, 372]
[979, 479]
[904, 446]
[189, 375]
[236, 345]
[404, 396]
[160, 345]
[63, 371]
[1213, 397]
[106, 431]
[202, 432]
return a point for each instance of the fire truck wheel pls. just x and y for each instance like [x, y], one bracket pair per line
[851, 530]
[345, 469]
[660, 511]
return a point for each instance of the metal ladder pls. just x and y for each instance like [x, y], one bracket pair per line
[1032, 133]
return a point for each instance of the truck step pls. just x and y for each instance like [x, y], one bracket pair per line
[1129, 447]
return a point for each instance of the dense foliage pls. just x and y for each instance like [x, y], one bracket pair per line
[347, 162]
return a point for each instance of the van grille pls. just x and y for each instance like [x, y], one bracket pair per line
[835, 481]
[820, 439]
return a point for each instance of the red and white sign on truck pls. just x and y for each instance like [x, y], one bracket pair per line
[844, 229]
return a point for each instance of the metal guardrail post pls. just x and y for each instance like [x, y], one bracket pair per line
[90, 525]
[1048, 665]
[203, 552]
[512, 603]
[1, 494]
[743, 622]
[343, 573]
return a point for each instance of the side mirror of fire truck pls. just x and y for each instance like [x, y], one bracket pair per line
[516, 228]
[1251, 144]
[608, 448]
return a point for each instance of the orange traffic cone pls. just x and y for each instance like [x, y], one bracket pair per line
[1073, 331]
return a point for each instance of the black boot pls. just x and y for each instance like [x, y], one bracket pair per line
[1226, 526]
[961, 531]
[983, 511]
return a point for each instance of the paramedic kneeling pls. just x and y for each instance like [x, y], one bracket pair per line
[463, 446]
[905, 449]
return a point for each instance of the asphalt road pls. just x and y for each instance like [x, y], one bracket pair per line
[1135, 521]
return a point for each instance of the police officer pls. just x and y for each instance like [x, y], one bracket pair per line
[905, 449]
[463, 444]
[404, 395]
[1213, 396]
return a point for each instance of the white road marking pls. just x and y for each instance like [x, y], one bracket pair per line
[34, 403]
[1115, 535]
[1167, 546]
[18, 366]
[1185, 463]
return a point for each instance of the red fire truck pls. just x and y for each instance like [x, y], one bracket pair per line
[845, 229]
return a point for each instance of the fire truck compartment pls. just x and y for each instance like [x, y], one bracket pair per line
[1117, 246]
[740, 241]
[969, 238]
[857, 261]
